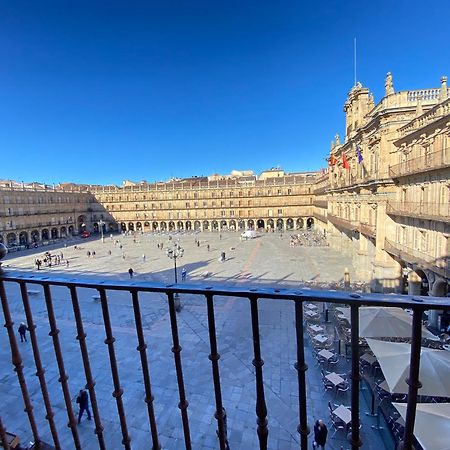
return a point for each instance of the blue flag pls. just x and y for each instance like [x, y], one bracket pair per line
[358, 154]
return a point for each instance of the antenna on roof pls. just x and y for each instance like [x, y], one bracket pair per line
[354, 58]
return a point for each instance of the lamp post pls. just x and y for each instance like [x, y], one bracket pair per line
[174, 253]
[100, 224]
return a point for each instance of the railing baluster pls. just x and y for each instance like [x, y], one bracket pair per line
[54, 332]
[301, 368]
[3, 437]
[141, 348]
[261, 408]
[118, 391]
[40, 371]
[90, 382]
[17, 362]
[413, 380]
[355, 439]
[176, 349]
[214, 357]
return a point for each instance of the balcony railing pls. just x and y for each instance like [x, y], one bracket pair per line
[53, 287]
[343, 223]
[321, 203]
[425, 163]
[320, 216]
[368, 229]
[432, 211]
[440, 265]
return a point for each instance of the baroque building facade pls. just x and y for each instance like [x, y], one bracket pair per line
[384, 198]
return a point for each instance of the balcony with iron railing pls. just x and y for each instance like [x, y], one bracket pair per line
[440, 264]
[343, 223]
[432, 211]
[431, 161]
[61, 307]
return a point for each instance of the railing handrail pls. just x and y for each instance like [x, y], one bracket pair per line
[301, 294]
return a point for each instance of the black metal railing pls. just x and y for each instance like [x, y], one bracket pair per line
[210, 293]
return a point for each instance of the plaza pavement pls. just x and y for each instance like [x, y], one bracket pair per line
[268, 260]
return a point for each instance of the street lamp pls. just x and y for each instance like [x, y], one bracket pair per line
[174, 253]
[101, 223]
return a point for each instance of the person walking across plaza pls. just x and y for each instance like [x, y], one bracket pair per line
[183, 274]
[131, 272]
[83, 402]
[320, 435]
[22, 332]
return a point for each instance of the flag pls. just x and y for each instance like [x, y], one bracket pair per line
[359, 155]
[332, 161]
[345, 163]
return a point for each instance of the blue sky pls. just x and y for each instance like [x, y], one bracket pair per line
[102, 91]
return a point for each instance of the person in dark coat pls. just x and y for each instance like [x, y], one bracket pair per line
[131, 272]
[23, 332]
[83, 401]
[320, 435]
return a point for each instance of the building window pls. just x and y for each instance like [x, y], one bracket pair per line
[280, 212]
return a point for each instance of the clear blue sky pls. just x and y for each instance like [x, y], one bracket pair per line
[101, 91]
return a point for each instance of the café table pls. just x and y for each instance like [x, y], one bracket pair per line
[334, 378]
[321, 338]
[311, 306]
[326, 354]
[343, 413]
[316, 328]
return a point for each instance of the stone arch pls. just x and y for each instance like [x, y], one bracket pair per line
[260, 224]
[180, 225]
[250, 224]
[310, 223]
[289, 223]
[214, 225]
[270, 224]
[440, 288]
[23, 238]
[300, 223]
[95, 227]
[155, 226]
[205, 225]
[188, 225]
[223, 225]
[146, 225]
[123, 226]
[54, 233]
[130, 226]
[63, 232]
[81, 222]
[197, 225]
[241, 224]
[280, 224]
[171, 226]
[44, 234]
[11, 238]
[232, 225]
[163, 226]
[35, 236]
[418, 282]
[71, 230]
[138, 226]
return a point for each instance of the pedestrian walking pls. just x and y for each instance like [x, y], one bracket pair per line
[198, 243]
[208, 247]
[83, 402]
[143, 257]
[22, 332]
[131, 272]
[67, 263]
[183, 274]
[320, 435]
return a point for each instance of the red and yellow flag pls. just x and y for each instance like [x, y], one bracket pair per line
[345, 163]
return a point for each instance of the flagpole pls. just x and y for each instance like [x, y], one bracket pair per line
[354, 58]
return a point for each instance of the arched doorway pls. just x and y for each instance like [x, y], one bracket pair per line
[155, 226]
[310, 223]
[171, 226]
[290, 224]
[300, 224]
[35, 236]
[424, 284]
[11, 239]
[223, 225]
[215, 225]
[260, 224]
[81, 222]
[71, 230]
[54, 233]
[146, 225]
[163, 226]
[123, 227]
[23, 238]
[130, 226]
[44, 234]
[440, 288]
[271, 224]
[197, 225]
[205, 225]
[138, 226]
[241, 225]
[232, 225]
[63, 232]
[250, 224]
[96, 227]
[280, 224]
[180, 225]
[188, 225]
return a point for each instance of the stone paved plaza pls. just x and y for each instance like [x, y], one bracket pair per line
[267, 260]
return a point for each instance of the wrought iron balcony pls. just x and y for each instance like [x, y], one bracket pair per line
[343, 223]
[431, 211]
[137, 292]
[440, 265]
[368, 229]
[426, 163]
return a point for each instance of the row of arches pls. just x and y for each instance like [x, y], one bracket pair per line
[218, 225]
[36, 235]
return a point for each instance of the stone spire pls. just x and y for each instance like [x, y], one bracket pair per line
[443, 94]
[337, 139]
[419, 108]
[388, 85]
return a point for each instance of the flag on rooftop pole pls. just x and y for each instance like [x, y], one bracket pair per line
[359, 154]
[332, 161]
[345, 163]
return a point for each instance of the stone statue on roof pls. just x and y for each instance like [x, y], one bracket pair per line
[388, 84]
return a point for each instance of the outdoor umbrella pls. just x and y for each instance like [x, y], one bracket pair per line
[385, 322]
[432, 426]
[394, 359]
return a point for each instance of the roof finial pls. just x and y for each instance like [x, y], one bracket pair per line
[419, 108]
[388, 85]
[444, 92]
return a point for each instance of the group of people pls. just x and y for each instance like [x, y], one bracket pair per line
[308, 239]
[50, 260]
